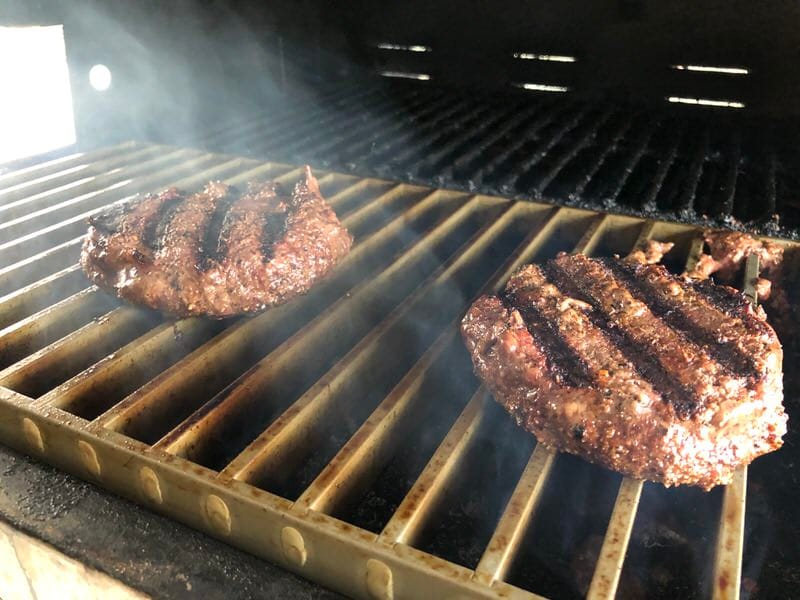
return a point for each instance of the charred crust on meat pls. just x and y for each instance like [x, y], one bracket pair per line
[155, 228]
[273, 230]
[562, 362]
[682, 399]
[731, 302]
[110, 220]
[212, 248]
[630, 275]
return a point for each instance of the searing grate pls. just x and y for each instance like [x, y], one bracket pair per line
[707, 168]
[342, 435]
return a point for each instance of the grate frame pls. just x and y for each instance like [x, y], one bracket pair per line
[299, 534]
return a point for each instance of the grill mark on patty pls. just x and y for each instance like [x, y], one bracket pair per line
[156, 226]
[668, 346]
[637, 354]
[213, 244]
[730, 302]
[272, 231]
[179, 258]
[272, 212]
[563, 363]
[724, 353]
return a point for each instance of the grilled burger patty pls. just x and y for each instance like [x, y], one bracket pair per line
[624, 364]
[218, 252]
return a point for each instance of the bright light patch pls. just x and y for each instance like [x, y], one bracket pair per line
[545, 57]
[36, 101]
[404, 48]
[404, 75]
[706, 102]
[706, 69]
[100, 77]
[542, 87]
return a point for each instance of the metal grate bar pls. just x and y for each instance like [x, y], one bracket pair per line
[35, 374]
[730, 539]
[591, 237]
[31, 196]
[730, 542]
[86, 195]
[435, 136]
[514, 177]
[369, 144]
[342, 130]
[728, 564]
[37, 240]
[325, 125]
[33, 332]
[431, 163]
[464, 163]
[263, 454]
[34, 296]
[648, 202]
[571, 153]
[494, 164]
[725, 205]
[52, 168]
[508, 534]
[368, 448]
[357, 135]
[771, 194]
[234, 342]
[345, 152]
[409, 516]
[686, 202]
[612, 554]
[130, 367]
[634, 156]
[618, 135]
[695, 250]
[284, 127]
[31, 269]
[285, 119]
[413, 132]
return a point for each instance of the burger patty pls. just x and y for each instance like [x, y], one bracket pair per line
[626, 365]
[216, 253]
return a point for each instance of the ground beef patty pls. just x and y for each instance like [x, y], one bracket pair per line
[216, 253]
[655, 376]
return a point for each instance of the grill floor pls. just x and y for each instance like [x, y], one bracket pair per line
[350, 410]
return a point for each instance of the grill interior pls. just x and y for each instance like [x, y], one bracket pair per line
[342, 435]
